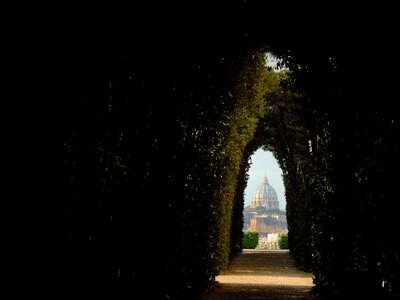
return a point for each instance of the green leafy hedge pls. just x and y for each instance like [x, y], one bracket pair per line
[283, 241]
[143, 139]
[331, 175]
[154, 131]
[250, 239]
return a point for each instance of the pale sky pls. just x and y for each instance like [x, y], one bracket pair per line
[264, 162]
[272, 61]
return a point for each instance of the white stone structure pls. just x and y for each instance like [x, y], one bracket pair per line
[270, 242]
[265, 196]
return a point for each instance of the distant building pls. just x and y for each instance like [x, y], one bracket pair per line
[265, 196]
[265, 224]
[269, 242]
[264, 215]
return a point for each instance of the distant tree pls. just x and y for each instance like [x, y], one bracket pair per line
[283, 241]
[260, 210]
[250, 239]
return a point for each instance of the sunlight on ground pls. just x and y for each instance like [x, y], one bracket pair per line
[281, 273]
[265, 280]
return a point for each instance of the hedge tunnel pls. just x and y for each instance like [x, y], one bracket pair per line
[145, 135]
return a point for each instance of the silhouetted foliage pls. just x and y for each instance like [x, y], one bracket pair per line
[149, 130]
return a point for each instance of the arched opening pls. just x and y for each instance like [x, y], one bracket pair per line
[263, 163]
[264, 208]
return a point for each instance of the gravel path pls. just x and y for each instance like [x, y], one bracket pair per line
[262, 274]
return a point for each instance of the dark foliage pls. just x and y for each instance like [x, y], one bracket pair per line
[147, 128]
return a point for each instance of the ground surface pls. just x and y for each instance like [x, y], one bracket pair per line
[262, 274]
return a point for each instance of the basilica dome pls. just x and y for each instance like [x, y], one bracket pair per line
[265, 196]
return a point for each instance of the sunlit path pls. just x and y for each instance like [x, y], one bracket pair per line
[263, 274]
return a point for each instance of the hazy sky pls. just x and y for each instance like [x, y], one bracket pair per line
[264, 162]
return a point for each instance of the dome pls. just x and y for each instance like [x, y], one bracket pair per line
[265, 195]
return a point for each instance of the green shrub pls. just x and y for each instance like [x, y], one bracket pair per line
[283, 241]
[250, 239]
